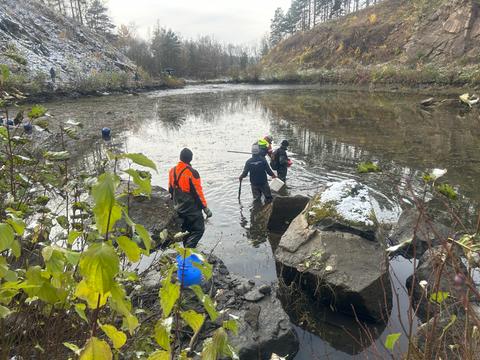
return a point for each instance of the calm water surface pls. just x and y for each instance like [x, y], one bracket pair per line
[330, 132]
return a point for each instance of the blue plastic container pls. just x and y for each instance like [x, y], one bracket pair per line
[188, 272]
[106, 133]
[27, 127]
[10, 122]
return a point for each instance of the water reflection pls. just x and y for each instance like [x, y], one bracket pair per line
[329, 133]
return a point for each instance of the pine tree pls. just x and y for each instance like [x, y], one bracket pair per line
[97, 18]
[277, 27]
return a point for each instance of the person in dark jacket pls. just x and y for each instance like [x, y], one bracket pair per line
[185, 187]
[258, 168]
[53, 74]
[282, 161]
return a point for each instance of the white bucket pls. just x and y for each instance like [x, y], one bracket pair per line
[276, 185]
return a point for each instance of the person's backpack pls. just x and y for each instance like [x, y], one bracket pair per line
[274, 160]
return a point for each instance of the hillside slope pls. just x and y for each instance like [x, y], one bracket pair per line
[397, 40]
[33, 39]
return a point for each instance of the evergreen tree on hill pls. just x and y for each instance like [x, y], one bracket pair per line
[98, 19]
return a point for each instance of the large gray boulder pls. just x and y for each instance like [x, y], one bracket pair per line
[335, 251]
[416, 230]
[264, 328]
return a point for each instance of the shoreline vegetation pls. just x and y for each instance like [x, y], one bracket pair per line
[387, 79]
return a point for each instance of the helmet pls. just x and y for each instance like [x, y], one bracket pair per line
[285, 143]
[269, 138]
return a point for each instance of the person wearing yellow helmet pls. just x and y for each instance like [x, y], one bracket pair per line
[265, 145]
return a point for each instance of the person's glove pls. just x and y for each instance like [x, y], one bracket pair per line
[240, 178]
[208, 212]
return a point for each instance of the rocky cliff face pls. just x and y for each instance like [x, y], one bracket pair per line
[397, 32]
[33, 39]
[450, 32]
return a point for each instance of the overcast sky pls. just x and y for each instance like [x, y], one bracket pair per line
[234, 21]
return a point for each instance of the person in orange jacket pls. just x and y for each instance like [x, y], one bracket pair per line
[185, 187]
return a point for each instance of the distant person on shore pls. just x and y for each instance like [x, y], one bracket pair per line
[185, 188]
[258, 169]
[53, 74]
[280, 161]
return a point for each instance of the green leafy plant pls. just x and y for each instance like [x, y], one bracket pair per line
[36, 112]
[368, 167]
[82, 278]
[448, 191]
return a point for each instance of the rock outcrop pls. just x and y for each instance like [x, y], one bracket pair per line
[33, 39]
[382, 42]
[450, 32]
[334, 250]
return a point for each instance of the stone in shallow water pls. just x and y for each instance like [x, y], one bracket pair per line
[329, 250]
[254, 296]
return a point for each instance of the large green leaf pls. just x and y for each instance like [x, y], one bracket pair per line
[56, 155]
[391, 340]
[145, 236]
[107, 211]
[80, 310]
[169, 294]
[86, 293]
[217, 346]
[159, 355]
[193, 319]
[130, 248]
[72, 236]
[4, 312]
[118, 337]
[206, 302]
[99, 265]
[205, 268]
[439, 297]
[17, 224]
[163, 328]
[141, 160]
[38, 284]
[144, 184]
[96, 349]
[5, 272]
[231, 325]
[120, 304]
[7, 236]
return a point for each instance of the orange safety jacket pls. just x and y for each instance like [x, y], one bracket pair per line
[185, 187]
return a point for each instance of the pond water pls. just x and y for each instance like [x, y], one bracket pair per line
[330, 132]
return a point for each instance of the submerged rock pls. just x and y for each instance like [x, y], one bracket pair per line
[333, 250]
[414, 229]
